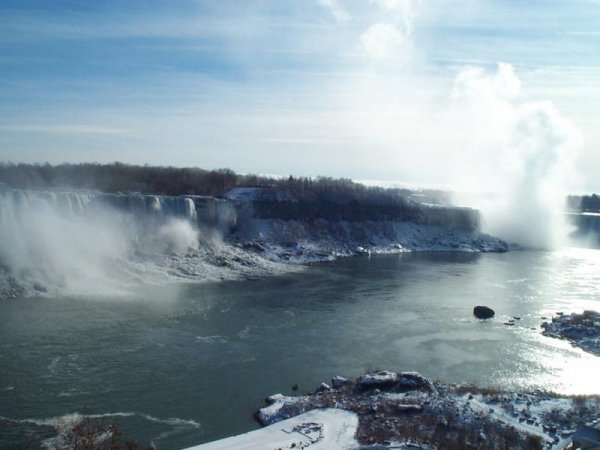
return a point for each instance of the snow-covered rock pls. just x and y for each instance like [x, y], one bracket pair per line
[379, 380]
[386, 381]
[338, 382]
[413, 381]
[280, 407]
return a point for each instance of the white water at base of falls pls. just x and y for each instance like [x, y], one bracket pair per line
[88, 241]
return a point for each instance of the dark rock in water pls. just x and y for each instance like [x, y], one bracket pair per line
[483, 312]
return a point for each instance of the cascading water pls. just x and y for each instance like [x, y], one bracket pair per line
[88, 241]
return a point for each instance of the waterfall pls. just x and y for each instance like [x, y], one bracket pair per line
[160, 206]
[81, 241]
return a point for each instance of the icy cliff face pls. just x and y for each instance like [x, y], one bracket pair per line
[98, 243]
[322, 240]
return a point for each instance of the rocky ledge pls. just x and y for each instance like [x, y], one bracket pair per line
[582, 330]
[302, 241]
[408, 410]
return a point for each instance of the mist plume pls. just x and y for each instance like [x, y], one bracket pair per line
[524, 162]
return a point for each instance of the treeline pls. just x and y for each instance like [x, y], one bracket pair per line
[590, 203]
[353, 211]
[118, 177]
[585, 203]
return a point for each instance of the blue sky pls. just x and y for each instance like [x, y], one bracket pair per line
[360, 89]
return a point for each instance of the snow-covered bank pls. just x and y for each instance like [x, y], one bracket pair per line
[396, 410]
[271, 247]
[319, 429]
[90, 243]
[320, 240]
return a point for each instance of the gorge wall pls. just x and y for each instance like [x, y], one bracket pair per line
[89, 241]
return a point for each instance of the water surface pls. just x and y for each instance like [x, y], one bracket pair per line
[181, 365]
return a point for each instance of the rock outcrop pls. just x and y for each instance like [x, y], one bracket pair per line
[582, 330]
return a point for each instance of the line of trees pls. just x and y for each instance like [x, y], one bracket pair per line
[118, 177]
[585, 203]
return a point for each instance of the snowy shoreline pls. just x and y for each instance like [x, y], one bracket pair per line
[263, 247]
[406, 410]
[320, 240]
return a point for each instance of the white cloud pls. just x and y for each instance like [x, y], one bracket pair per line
[405, 11]
[382, 40]
[388, 4]
[62, 129]
[336, 9]
[393, 32]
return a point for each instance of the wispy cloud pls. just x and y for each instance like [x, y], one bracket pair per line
[62, 129]
[583, 33]
[388, 37]
[382, 40]
[336, 9]
[403, 11]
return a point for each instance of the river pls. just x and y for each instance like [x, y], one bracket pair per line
[178, 365]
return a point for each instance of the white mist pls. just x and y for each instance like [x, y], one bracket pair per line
[520, 173]
[47, 244]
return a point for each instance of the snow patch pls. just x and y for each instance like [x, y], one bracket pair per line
[320, 429]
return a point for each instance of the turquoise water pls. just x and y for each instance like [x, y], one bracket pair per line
[183, 364]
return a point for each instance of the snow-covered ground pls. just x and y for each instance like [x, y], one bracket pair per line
[319, 429]
[396, 410]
